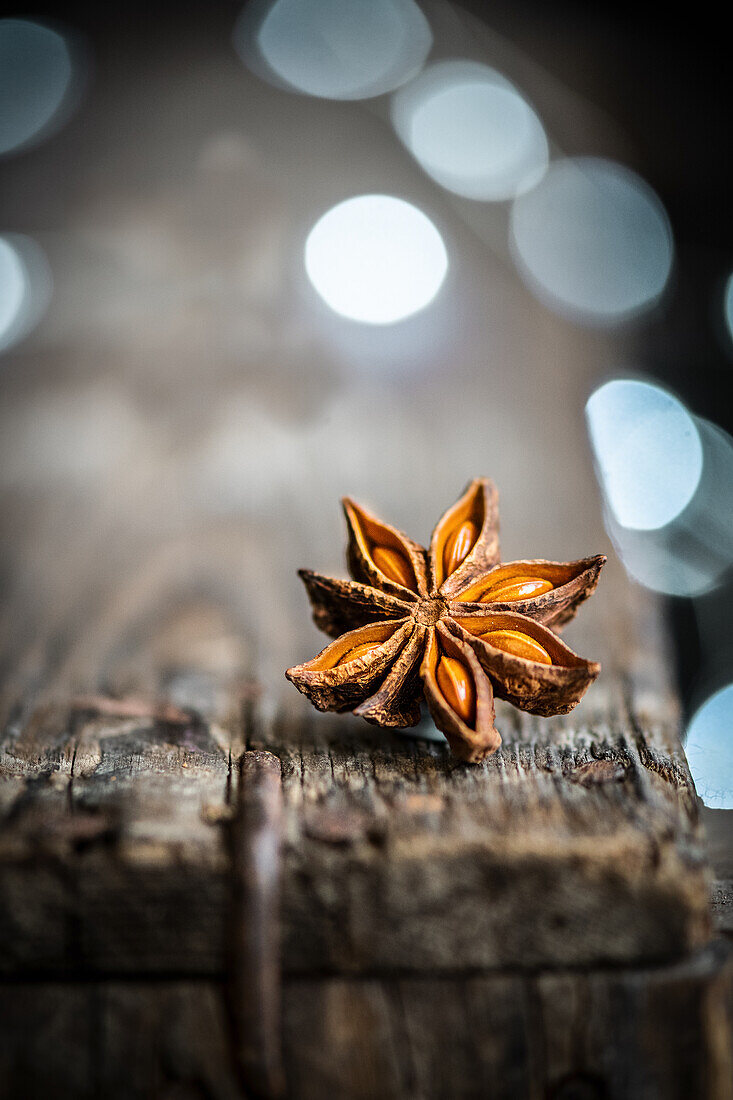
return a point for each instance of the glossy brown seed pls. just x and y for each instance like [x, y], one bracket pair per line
[518, 644]
[456, 684]
[394, 565]
[458, 546]
[516, 588]
[358, 651]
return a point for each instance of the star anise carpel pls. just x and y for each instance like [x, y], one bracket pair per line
[450, 623]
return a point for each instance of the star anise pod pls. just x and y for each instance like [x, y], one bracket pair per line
[451, 623]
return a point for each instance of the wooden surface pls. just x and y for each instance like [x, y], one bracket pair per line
[576, 844]
[610, 1034]
[572, 852]
[658, 1034]
[534, 926]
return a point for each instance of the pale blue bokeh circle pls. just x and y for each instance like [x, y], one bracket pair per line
[709, 749]
[334, 49]
[648, 452]
[592, 241]
[471, 130]
[13, 288]
[36, 75]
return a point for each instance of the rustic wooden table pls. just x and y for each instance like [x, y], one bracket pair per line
[201, 892]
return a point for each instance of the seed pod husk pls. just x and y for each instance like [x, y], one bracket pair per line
[408, 609]
[468, 742]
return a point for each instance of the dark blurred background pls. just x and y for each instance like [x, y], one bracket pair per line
[171, 382]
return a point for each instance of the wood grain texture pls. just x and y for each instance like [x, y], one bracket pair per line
[578, 844]
[111, 857]
[120, 1040]
[446, 930]
[615, 1034]
[570, 853]
[255, 972]
[574, 845]
[659, 1034]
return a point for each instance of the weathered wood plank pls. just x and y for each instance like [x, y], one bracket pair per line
[255, 974]
[576, 845]
[651, 1034]
[114, 860]
[562, 852]
[112, 856]
[643, 1034]
[120, 1040]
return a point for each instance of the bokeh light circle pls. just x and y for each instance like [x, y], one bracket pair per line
[709, 748]
[692, 553]
[334, 49]
[12, 288]
[648, 452]
[25, 287]
[665, 560]
[592, 241]
[471, 131]
[36, 75]
[376, 259]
